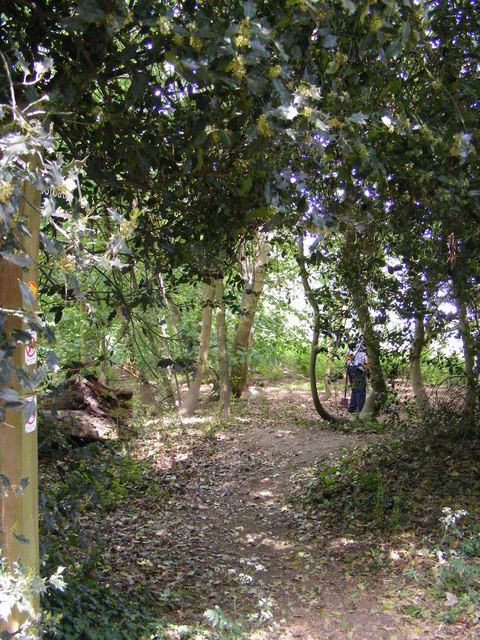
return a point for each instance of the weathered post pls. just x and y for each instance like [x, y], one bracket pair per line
[18, 431]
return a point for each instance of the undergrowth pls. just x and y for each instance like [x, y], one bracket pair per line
[403, 481]
[422, 482]
[86, 481]
[74, 481]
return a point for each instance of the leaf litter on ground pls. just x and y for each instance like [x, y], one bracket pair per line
[218, 527]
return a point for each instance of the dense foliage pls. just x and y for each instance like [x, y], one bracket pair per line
[172, 142]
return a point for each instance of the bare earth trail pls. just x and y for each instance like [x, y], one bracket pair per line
[228, 535]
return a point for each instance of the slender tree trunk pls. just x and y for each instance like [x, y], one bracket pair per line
[82, 318]
[104, 355]
[357, 285]
[191, 399]
[379, 388]
[416, 377]
[170, 397]
[223, 373]
[251, 294]
[173, 311]
[417, 290]
[317, 401]
[168, 375]
[468, 348]
[127, 337]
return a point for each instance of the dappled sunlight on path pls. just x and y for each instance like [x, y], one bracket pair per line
[225, 533]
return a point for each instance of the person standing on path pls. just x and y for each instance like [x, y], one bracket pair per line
[357, 373]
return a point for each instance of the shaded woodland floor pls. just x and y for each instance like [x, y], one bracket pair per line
[216, 529]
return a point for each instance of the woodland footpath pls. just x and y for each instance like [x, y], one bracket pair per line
[203, 193]
[214, 530]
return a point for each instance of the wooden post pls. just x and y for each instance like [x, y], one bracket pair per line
[18, 433]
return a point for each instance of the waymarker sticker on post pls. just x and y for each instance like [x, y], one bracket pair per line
[31, 349]
[31, 415]
[33, 288]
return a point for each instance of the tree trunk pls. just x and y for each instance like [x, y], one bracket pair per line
[104, 355]
[223, 373]
[415, 360]
[379, 388]
[251, 293]
[320, 409]
[317, 402]
[191, 399]
[356, 282]
[468, 348]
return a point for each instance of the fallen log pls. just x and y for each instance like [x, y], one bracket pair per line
[89, 409]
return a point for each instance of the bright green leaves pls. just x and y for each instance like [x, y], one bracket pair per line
[184, 101]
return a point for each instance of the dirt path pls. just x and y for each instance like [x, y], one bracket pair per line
[228, 536]
[260, 554]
